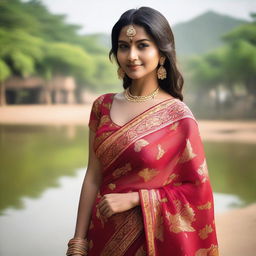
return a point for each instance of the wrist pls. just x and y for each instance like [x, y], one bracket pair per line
[135, 199]
[79, 237]
[77, 245]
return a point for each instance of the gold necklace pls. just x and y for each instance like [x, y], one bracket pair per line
[135, 98]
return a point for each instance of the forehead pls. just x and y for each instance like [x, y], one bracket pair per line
[140, 33]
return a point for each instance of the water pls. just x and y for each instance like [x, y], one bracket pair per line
[41, 174]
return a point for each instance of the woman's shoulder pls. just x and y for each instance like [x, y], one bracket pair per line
[99, 99]
[181, 110]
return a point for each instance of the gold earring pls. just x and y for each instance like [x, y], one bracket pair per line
[120, 73]
[161, 72]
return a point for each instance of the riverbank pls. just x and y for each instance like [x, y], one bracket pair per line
[236, 230]
[239, 131]
[45, 115]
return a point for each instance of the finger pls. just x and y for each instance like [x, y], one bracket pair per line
[103, 207]
[102, 201]
[105, 211]
[108, 213]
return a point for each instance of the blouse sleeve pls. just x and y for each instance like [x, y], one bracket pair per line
[94, 115]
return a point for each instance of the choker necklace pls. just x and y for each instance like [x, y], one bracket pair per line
[134, 98]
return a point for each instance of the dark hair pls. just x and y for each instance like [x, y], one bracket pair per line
[157, 26]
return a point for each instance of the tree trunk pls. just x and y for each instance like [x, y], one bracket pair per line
[251, 89]
[47, 93]
[217, 101]
[2, 94]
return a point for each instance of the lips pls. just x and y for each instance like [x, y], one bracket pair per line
[133, 67]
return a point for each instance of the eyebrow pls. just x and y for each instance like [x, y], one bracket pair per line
[122, 41]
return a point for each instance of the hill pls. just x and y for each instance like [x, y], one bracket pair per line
[196, 36]
[203, 33]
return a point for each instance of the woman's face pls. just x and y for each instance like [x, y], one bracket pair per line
[140, 57]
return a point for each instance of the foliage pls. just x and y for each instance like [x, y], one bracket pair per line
[228, 65]
[63, 58]
[4, 71]
[20, 40]
[35, 41]
[104, 71]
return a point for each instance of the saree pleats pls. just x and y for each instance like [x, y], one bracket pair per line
[160, 155]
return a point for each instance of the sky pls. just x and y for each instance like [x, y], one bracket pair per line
[100, 16]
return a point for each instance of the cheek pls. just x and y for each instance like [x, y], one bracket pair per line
[152, 56]
[120, 57]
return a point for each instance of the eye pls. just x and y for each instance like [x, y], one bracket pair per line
[122, 46]
[143, 45]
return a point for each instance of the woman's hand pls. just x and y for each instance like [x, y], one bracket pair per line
[117, 202]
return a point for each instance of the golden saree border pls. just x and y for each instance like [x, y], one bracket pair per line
[151, 120]
[148, 221]
[125, 234]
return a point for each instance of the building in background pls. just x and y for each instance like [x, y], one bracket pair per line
[35, 90]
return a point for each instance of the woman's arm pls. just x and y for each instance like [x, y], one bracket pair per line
[89, 191]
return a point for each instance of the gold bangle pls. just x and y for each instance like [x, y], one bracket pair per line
[77, 245]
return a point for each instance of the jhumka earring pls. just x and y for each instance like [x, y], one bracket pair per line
[161, 72]
[120, 73]
[131, 32]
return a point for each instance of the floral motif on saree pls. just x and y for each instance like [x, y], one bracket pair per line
[211, 251]
[122, 170]
[182, 219]
[139, 144]
[205, 206]
[148, 174]
[160, 155]
[187, 153]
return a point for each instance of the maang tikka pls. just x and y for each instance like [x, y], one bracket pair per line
[131, 32]
[161, 72]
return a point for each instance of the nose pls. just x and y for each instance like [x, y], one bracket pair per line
[132, 55]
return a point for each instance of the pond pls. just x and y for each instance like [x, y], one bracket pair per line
[41, 174]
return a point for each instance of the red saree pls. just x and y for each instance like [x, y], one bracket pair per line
[159, 154]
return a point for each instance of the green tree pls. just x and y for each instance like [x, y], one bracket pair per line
[206, 73]
[19, 52]
[241, 56]
[5, 72]
[105, 74]
[34, 41]
[229, 66]
[63, 58]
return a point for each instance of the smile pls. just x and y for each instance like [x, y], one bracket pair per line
[134, 67]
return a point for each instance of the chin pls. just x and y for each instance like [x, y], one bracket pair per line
[135, 76]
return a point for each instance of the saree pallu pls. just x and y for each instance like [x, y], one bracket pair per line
[160, 155]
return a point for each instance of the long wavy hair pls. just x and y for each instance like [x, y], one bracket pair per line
[157, 26]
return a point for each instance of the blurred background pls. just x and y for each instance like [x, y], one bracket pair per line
[54, 63]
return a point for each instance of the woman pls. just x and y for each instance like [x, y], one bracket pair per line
[146, 190]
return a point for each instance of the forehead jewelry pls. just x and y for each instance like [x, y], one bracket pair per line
[131, 32]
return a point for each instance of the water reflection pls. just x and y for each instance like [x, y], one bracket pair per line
[34, 157]
[232, 168]
[42, 170]
[44, 225]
